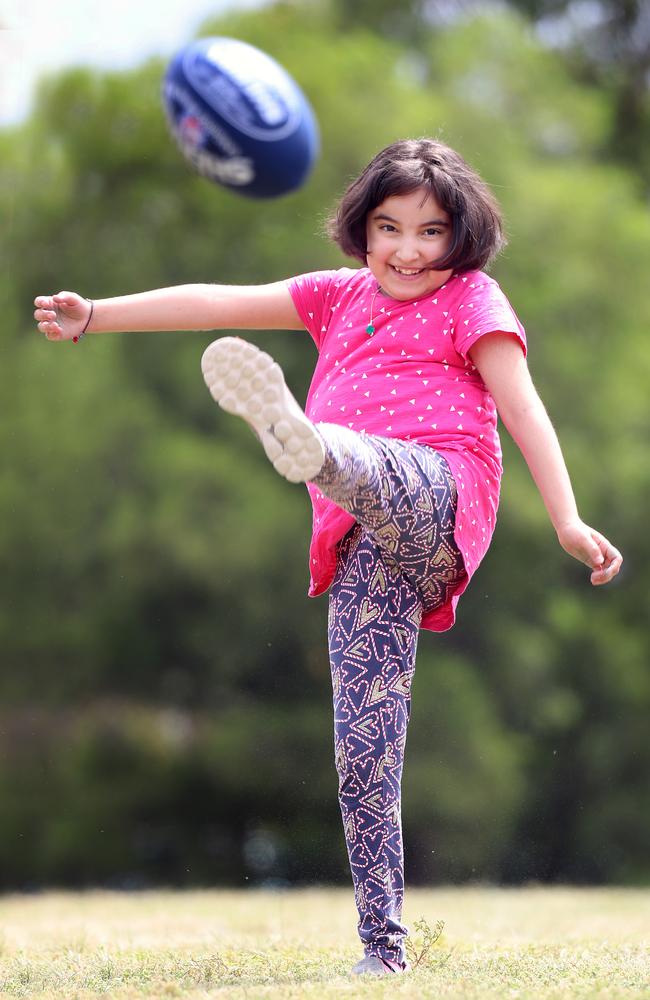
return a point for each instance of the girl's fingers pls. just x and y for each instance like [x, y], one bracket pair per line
[51, 330]
[613, 563]
[64, 298]
[608, 551]
[596, 558]
[46, 313]
[617, 562]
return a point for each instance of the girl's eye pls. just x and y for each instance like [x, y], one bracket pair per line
[432, 232]
[386, 227]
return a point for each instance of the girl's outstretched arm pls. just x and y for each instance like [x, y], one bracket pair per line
[503, 368]
[182, 307]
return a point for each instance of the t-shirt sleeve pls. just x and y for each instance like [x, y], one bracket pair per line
[485, 309]
[312, 294]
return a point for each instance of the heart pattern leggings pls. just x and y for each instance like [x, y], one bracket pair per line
[399, 560]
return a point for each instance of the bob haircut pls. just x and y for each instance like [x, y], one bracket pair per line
[477, 231]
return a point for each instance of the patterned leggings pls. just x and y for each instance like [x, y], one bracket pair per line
[399, 560]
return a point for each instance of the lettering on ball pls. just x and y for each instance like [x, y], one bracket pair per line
[189, 106]
[246, 88]
[270, 110]
[236, 170]
[242, 66]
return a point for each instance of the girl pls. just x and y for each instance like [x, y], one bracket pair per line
[418, 350]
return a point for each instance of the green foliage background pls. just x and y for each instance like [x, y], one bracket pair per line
[164, 687]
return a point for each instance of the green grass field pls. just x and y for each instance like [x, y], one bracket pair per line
[520, 943]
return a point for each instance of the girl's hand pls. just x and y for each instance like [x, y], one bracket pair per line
[591, 548]
[62, 316]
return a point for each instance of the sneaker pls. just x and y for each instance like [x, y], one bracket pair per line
[373, 965]
[247, 382]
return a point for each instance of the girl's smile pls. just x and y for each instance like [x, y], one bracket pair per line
[405, 235]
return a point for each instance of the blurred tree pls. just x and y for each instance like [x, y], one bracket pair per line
[401, 20]
[605, 43]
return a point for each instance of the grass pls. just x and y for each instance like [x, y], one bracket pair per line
[519, 944]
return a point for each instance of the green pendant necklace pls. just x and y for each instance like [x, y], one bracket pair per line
[370, 329]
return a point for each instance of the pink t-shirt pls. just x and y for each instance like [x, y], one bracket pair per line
[411, 380]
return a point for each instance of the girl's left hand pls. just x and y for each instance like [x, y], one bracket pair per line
[592, 549]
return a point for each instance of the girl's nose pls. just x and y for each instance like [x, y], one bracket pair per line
[408, 251]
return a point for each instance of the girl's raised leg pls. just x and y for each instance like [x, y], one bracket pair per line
[404, 495]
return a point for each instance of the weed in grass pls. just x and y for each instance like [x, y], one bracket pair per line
[418, 948]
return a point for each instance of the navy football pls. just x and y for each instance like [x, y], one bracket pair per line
[239, 118]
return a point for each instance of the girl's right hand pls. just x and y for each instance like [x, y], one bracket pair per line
[62, 316]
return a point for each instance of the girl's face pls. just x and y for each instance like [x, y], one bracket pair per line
[405, 234]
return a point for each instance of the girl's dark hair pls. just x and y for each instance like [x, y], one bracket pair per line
[477, 231]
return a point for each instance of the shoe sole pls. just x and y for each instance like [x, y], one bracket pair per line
[245, 381]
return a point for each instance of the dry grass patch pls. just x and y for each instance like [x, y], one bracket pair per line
[524, 944]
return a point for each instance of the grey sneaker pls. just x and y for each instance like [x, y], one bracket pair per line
[247, 382]
[372, 965]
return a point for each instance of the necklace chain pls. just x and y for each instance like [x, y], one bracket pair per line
[370, 329]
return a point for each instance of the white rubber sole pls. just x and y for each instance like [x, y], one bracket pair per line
[247, 382]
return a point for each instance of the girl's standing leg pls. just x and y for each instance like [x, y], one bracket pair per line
[373, 628]
[399, 560]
